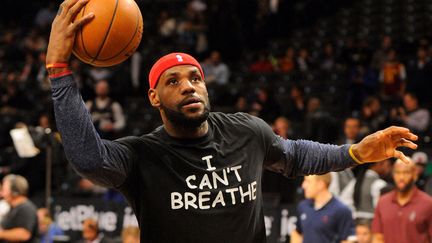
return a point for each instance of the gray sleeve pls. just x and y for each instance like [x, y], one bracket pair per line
[301, 157]
[25, 218]
[104, 162]
[304, 157]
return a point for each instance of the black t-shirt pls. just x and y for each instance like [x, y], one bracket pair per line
[22, 216]
[200, 190]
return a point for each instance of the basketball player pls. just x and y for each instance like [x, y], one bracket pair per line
[197, 178]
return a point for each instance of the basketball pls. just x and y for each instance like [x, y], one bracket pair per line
[112, 36]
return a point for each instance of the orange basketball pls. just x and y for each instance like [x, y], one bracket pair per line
[112, 35]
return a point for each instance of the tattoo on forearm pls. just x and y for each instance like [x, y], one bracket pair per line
[59, 10]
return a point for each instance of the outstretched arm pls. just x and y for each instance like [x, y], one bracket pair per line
[103, 162]
[304, 157]
[383, 144]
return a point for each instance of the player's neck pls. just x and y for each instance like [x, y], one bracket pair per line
[322, 199]
[185, 132]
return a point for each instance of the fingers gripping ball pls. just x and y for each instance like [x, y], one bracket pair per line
[112, 36]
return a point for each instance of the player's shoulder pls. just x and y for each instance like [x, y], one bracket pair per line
[231, 117]
[238, 119]
[151, 137]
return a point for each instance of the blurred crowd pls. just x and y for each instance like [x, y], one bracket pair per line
[336, 92]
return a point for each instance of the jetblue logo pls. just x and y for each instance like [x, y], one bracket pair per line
[179, 58]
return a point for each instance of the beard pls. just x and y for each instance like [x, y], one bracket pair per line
[179, 119]
[407, 187]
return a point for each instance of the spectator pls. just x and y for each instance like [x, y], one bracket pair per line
[339, 182]
[411, 115]
[48, 230]
[303, 61]
[45, 16]
[130, 235]
[392, 76]
[31, 168]
[282, 127]
[91, 233]
[12, 99]
[341, 179]
[363, 192]
[372, 116]
[100, 73]
[191, 29]
[328, 58]
[241, 105]
[404, 214]
[380, 55]
[265, 106]
[419, 72]
[287, 62]
[348, 55]
[167, 25]
[35, 42]
[363, 231]
[364, 82]
[215, 70]
[4, 206]
[20, 223]
[296, 107]
[351, 131]
[362, 53]
[320, 125]
[420, 159]
[107, 115]
[262, 64]
[322, 218]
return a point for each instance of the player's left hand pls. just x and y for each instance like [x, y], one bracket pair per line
[383, 144]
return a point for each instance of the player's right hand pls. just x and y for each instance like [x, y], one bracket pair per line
[63, 30]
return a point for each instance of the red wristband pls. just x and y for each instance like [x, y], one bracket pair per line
[61, 74]
[57, 65]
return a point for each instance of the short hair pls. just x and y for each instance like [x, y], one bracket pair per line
[46, 216]
[352, 118]
[45, 212]
[363, 222]
[18, 184]
[412, 95]
[91, 223]
[326, 178]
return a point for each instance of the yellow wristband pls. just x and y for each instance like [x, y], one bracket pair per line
[353, 156]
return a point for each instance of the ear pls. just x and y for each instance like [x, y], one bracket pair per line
[154, 98]
[415, 173]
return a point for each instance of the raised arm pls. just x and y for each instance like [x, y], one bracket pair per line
[104, 162]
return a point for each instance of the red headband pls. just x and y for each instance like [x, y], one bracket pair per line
[169, 61]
